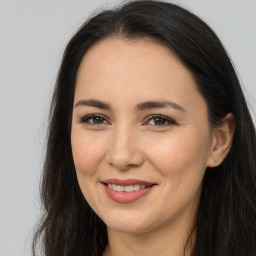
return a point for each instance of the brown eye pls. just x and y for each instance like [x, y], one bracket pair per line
[160, 120]
[94, 120]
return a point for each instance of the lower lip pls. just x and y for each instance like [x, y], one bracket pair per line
[126, 197]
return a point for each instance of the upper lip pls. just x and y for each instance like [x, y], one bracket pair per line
[128, 182]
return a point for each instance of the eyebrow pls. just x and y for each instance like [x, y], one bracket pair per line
[141, 106]
[159, 104]
[93, 103]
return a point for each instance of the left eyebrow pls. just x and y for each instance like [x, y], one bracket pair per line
[159, 104]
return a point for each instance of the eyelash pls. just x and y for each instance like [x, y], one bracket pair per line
[161, 118]
[93, 117]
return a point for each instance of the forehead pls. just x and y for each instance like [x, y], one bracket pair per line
[142, 70]
[117, 56]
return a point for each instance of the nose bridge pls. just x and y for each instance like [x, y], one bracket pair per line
[124, 151]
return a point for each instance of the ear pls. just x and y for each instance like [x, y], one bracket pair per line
[221, 141]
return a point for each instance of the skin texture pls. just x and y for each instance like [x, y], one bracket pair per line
[127, 143]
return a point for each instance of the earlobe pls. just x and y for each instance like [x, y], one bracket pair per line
[222, 141]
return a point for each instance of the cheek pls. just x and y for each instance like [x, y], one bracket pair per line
[88, 152]
[181, 162]
[181, 153]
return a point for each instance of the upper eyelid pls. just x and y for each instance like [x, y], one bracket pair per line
[94, 114]
[171, 120]
[84, 118]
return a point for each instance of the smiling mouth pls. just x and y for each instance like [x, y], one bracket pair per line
[128, 190]
[127, 193]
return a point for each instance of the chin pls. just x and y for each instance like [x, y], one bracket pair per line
[128, 223]
[131, 229]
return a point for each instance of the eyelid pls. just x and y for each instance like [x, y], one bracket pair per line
[166, 118]
[87, 117]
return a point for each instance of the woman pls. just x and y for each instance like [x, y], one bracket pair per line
[151, 147]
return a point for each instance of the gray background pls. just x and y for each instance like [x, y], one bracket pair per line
[33, 35]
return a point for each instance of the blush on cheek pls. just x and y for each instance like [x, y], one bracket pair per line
[84, 163]
[87, 155]
[167, 155]
[179, 155]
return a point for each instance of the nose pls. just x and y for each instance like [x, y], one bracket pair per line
[124, 150]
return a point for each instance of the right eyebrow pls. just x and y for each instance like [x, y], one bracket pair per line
[93, 103]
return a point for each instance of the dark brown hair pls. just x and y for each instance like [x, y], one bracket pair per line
[226, 219]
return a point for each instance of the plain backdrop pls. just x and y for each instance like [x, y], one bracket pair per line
[33, 35]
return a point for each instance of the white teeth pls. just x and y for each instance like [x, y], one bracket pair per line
[119, 188]
[136, 187]
[128, 188]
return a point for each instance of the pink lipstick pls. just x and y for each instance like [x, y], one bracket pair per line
[126, 191]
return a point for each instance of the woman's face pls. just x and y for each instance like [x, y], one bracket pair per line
[140, 124]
